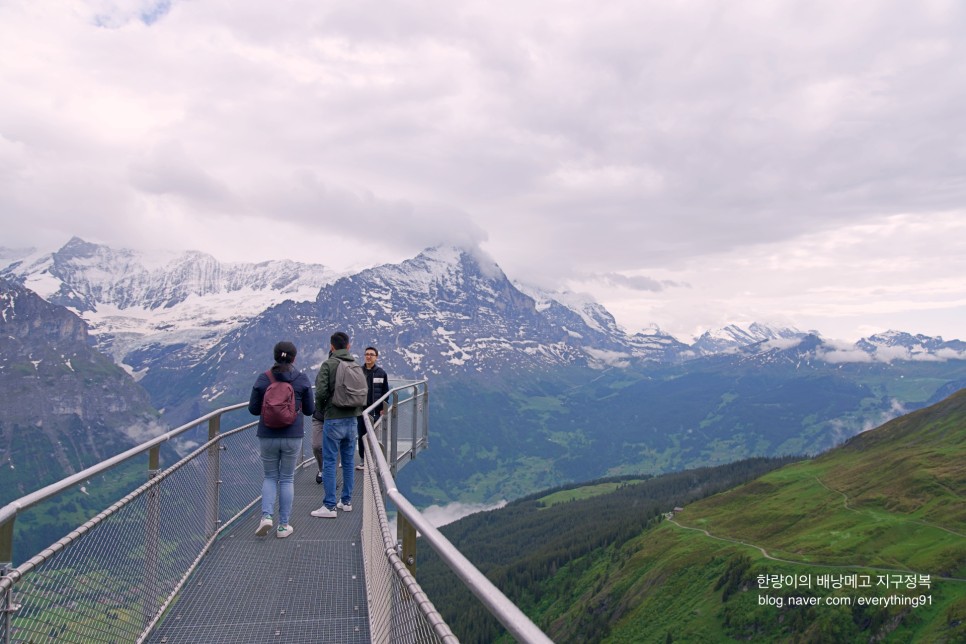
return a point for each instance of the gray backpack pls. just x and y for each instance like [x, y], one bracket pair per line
[351, 387]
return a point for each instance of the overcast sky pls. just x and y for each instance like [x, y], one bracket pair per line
[688, 163]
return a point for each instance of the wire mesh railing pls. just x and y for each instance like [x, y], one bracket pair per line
[109, 579]
[399, 610]
[414, 618]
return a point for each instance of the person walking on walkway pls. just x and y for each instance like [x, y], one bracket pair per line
[280, 398]
[339, 432]
[378, 383]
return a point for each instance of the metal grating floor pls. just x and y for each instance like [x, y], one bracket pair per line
[306, 588]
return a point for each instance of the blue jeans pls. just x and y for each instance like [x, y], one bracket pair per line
[338, 440]
[279, 456]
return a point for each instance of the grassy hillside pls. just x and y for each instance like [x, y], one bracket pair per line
[864, 543]
[892, 497]
[886, 509]
[523, 545]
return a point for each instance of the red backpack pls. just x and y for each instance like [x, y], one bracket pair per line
[278, 405]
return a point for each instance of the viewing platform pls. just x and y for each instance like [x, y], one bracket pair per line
[177, 558]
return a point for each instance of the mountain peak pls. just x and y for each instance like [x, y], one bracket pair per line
[440, 265]
[734, 336]
[77, 245]
[901, 345]
[474, 256]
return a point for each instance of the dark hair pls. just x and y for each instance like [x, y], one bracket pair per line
[339, 340]
[373, 349]
[285, 352]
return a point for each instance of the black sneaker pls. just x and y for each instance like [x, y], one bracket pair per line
[318, 478]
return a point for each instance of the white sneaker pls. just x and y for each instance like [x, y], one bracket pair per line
[284, 531]
[345, 507]
[324, 513]
[361, 465]
[263, 527]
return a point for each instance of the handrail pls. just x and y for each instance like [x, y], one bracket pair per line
[11, 510]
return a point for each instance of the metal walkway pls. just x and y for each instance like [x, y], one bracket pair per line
[309, 587]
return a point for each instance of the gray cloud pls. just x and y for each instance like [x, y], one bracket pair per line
[638, 282]
[567, 139]
[166, 169]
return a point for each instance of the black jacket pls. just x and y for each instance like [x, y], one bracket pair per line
[378, 383]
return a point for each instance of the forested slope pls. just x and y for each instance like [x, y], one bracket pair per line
[522, 546]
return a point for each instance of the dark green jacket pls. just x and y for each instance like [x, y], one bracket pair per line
[325, 385]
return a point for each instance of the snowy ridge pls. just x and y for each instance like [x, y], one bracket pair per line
[84, 276]
[604, 342]
[593, 314]
[809, 348]
[133, 300]
[733, 337]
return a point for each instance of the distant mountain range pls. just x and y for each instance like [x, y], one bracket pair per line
[531, 389]
[172, 309]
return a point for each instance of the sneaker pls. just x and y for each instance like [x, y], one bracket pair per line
[361, 465]
[284, 531]
[324, 513]
[264, 526]
[318, 478]
[345, 507]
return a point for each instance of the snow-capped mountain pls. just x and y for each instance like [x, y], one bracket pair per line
[594, 316]
[899, 345]
[140, 305]
[805, 349]
[446, 311]
[604, 341]
[734, 337]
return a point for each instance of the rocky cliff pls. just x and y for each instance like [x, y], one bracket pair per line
[65, 406]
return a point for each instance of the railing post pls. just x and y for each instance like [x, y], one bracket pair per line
[214, 474]
[415, 425]
[407, 535]
[152, 526]
[6, 543]
[7, 605]
[385, 427]
[425, 417]
[392, 446]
